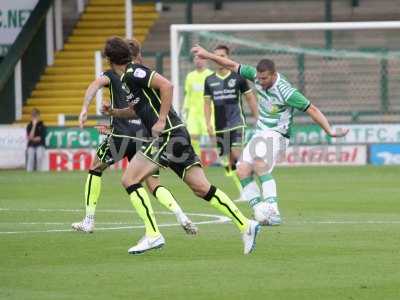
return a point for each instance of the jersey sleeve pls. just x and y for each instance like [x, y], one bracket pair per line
[207, 89]
[298, 101]
[247, 72]
[106, 74]
[243, 85]
[139, 75]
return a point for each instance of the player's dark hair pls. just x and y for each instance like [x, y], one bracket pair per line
[135, 47]
[223, 47]
[117, 51]
[266, 65]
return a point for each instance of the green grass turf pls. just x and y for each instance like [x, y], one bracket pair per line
[340, 240]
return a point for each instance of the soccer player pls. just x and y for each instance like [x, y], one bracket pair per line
[224, 89]
[124, 140]
[194, 102]
[277, 100]
[150, 98]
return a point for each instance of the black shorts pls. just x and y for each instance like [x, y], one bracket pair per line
[229, 139]
[172, 150]
[113, 149]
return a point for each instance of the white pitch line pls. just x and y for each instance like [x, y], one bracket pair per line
[347, 222]
[61, 223]
[217, 220]
[99, 211]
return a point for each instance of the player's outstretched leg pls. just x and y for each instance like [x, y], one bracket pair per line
[264, 206]
[270, 198]
[138, 169]
[92, 194]
[165, 197]
[198, 182]
[251, 192]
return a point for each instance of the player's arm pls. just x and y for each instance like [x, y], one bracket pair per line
[208, 107]
[165, 87]
[300, 102]
[91, 91]
[123, 113]
[207, 114]
[146, 78]
[252, 102]
[319, 118]
[250, 97]
[222, 61]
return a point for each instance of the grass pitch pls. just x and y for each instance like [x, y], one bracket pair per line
[340, 240]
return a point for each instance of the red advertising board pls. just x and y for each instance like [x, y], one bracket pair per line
[73, 160]
[325, 155]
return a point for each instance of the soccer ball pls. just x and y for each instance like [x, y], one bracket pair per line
[266, 215]
[261, 213]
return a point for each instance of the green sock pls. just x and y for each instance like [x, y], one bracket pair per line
[251, 192]
[269, 189]
[165, 197]
[92, 192]
[224, 204]
[141, 202]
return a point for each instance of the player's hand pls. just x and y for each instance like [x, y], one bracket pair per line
[200, 52]
[158, 128]
[106, 109]
[82, 117]
[340, 132]
[103, 129]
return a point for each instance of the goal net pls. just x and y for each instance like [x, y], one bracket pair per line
[350, 70]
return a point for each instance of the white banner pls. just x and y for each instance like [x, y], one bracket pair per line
[13, 16]
[325, 155]
[370, 133]
[12, 147]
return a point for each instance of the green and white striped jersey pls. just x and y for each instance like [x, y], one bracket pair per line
[277, 104]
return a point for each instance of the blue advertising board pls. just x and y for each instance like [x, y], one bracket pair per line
[384, 154]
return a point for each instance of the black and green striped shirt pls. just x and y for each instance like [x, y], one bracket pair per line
[122, 127]
[136, 82]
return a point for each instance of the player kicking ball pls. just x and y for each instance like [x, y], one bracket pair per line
[150, 98]
[124, 140]
[225, 90]
[277, 102]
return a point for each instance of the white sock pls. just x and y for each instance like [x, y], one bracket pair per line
[269, 190]
[89, 219]
[251, 192]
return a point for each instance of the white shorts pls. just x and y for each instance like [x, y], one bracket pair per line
[268, 146]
